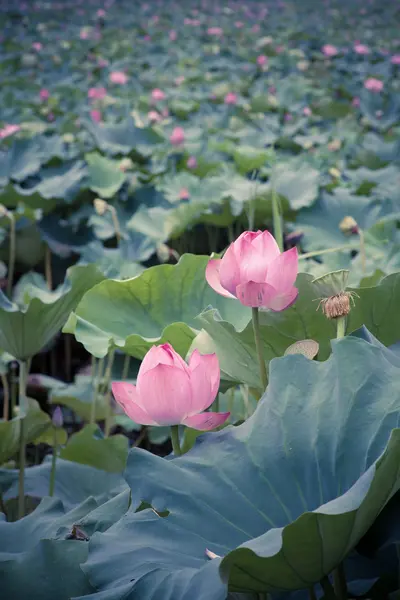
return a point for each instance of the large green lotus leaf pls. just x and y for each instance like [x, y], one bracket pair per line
[297, 182]
[122, 137]
[22, 160]
[90, 447]
[158, 306]
[26, 329]
[74, 482]
[105, 176]
[36, 423]
[277, 497]
[248, 158]
[36, 561]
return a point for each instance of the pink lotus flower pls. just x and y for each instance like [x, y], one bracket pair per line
[184, 194]
[307, 112]
[102, 62]
[329, 50]
[254, 271]
[191, 162]
[230, 98]
[215, 31]
[173, 35]
[179, 80]
[95, 115]
[262, 60]
[170, 392]
[355, 102]
[97, 93]
[361, 48]
[255, 28]
[373, 85]
[154, 116]
[44, 94]
[37, 46]
[118, 77]
[84, 34]
[101, 13]
[177, 137]
[395, 60]
[157, 95]
[8, 130]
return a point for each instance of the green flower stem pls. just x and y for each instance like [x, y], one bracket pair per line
[344, 248]
[311, 593]
[107, 377]
[341, 327]
[14, 391]
[216, 404]
[125, 369]
[6, 396]
[339, 583]
[277, 220]
[23, 375]
[53, 464]
[47, 267]
[97, 372]
[176, 446]
[231, 235]
[251, 213]
[11, 257]
[329, 593]
[362, 251]
[257, 339]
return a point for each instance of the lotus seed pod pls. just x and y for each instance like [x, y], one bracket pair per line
[100, 206]
[348, 225]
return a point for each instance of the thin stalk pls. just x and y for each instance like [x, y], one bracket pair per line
[23, 376]
[140, 437]
[107, 377]
[6, 396]
[125, 368]
[231, 399]
[328, 589]
[257, 339]
[311, 593]
[96, 380]
[115, 221]
[251, 214]
[53, 465]
[68, 356]
[277, 220]
[47, 267]
[339, 582]
[362, 251]
[11, 257]
[14, 391]
[3, 506]
[340, 327]
[231, 235]
[327, 251]
[176, 446]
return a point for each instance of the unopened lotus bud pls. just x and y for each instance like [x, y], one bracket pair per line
[57, 418]
[163, 253]
[334, 172]
[334, 145]
[68, 138]
[348, 225]
[125, 164]
[100, 206]
[3, 211]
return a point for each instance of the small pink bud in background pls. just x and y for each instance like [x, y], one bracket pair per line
[373, 85]
[157, 95]
[355, 102]
[118, 77]
[272, 89]
[57, 418]
[154, 116]
[179, 80]
[50, 117]
[84, 34]
[307, 112]
[361, 49]
[329, 50]
[97, 93]
[101, 13]
[37, 46]
[173, 35]
[184, 194]
[171, 392]
[191, 162]
[279, 49]
[262, 60]
[230, 98]
[177, 136]
[217, 31]
[102, 62]
[254, 271]
[147, 38]
[288, 117]
[395, 60]
[95, 115]
[44, 94]
[239, 24]
[255, 28]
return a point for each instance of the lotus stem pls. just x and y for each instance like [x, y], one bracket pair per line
[311, 593]
[68, 356]
[328, 589]
[115, 221]
[11, 257]
[47, 267]
[125, 369]
[97, 371]
[340, 327]
[176, 446]
[339, 582]
[53, 464]
[23, 376]
[13, 388]
[107, 376]
[257, 339]
[277, 220]
[327, 251]
[362, 251]
[6, 396]
[231, 235]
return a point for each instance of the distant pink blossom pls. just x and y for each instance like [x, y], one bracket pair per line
[288, 117]
[95, 115]
[50, 117]
[230, 98]
[373, 85]
[395, 60]
[118, 77]
[272, 89]
[255, 28]
[184, 194]
[147, 38]
[154, 116]
[97, 93]
[102, 62]
[307, 112]
[239, 24]
[179, 80]
[101, 13]
[44, 94]
[157, 95]
[329, 50]
[262, 60]
[191, 162]
[37, 46]
[355, 102]
[279, 49]
[215, 31]
[177, 137]
[173, 35]
[361, 49]
[84, 34]
[8, 130]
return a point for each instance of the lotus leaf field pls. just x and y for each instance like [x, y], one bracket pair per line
[199, 300]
